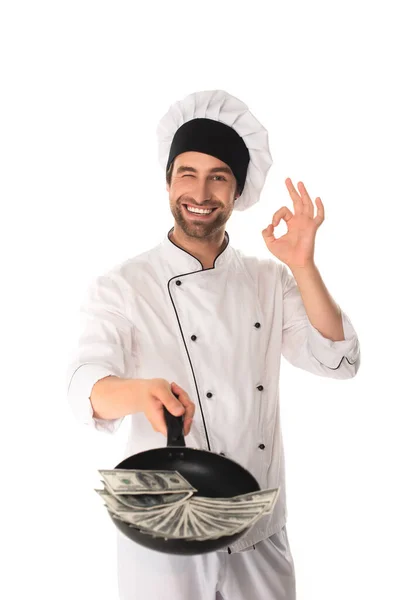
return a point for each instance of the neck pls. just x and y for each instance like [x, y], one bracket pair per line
[205, 250]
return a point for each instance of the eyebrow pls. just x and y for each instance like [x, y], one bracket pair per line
[184, 168]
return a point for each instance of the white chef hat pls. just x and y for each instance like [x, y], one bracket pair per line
[216, 123]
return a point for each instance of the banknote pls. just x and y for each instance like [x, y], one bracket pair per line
[165, 522]
[265, 498]
[251, 497]
[224, 517]
[181, 526]
[177, 525]
[152, 519]
[134, 481]
[164, 504]
[144, 501]
[218, 525]
[174, 523]
[112, 502]
[181, 522]
[211, 528]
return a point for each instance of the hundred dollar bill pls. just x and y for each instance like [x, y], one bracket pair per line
[227, 518]
[176, 525]
[265, 498]
[179, 523]
[162, 504]
[186, 524]
[182, 527]
[137, 517]
[214, 528]
[111, 502]
[143, 501]
[164, 521]
[134, 481]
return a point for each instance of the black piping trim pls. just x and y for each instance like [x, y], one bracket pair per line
[183, 250]
[190, 362]
[180, 326]
[335, 368]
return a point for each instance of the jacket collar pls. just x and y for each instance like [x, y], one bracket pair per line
[184, 262]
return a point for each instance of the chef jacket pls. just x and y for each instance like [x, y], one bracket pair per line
[219, 333]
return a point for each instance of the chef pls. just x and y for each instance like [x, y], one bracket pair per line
[197, 326]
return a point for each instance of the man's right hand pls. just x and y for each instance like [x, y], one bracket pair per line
[157, 393]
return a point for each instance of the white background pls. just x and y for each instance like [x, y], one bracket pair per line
[83, 87]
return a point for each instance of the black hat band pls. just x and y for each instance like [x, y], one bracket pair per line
[216, 139]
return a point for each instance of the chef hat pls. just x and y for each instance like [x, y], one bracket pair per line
[216, 123]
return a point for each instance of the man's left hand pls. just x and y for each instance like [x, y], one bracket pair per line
[296, 247]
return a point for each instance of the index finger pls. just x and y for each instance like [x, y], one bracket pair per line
[188, 405]
[295, 196]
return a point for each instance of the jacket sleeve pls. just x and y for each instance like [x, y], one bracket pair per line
[306, 348]
[105, 347]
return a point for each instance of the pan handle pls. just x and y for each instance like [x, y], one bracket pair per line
[174, 429]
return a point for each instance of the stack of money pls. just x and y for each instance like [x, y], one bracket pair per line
[164, 504]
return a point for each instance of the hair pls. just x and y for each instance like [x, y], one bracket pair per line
[169, 177]
[169, 172]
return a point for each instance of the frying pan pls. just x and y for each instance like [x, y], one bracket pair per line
[213, 475]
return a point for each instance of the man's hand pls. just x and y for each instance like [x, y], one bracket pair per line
[296, 247]
[156, 393]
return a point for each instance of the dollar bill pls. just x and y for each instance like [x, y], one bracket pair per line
[215, 528]
[181, 526]
[137, 518]
[152, 518]
[182, 522]
[173, 523]
[223, 520]
[134, 481]
[210, 528]
[111, 501]
[163, 504]
[227, 518]
[165, 522]
[265, 498]
[176, 525]
[144, 501]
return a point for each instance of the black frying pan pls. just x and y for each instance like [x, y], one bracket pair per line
[211, 474]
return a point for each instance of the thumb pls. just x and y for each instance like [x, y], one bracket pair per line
[172, 403]
[268, 233]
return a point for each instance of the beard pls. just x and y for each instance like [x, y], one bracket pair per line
[199, 229]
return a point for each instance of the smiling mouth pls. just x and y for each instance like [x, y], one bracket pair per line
[193, 213]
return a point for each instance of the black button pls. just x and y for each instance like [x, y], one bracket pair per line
[260, 388]
[209, 395]
[178, 282]
[194, 338]
[258, 325]
[261, 446]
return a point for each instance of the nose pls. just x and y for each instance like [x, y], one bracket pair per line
[201, 191]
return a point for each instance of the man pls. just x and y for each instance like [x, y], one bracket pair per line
[196, 318]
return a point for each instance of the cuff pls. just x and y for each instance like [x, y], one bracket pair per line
[331, 353]
[79, 391]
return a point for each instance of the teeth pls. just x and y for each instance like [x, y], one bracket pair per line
[200, 211]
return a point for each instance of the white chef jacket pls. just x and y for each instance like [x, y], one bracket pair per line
[219, 333]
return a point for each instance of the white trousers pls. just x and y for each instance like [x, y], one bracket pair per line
[265, 572]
